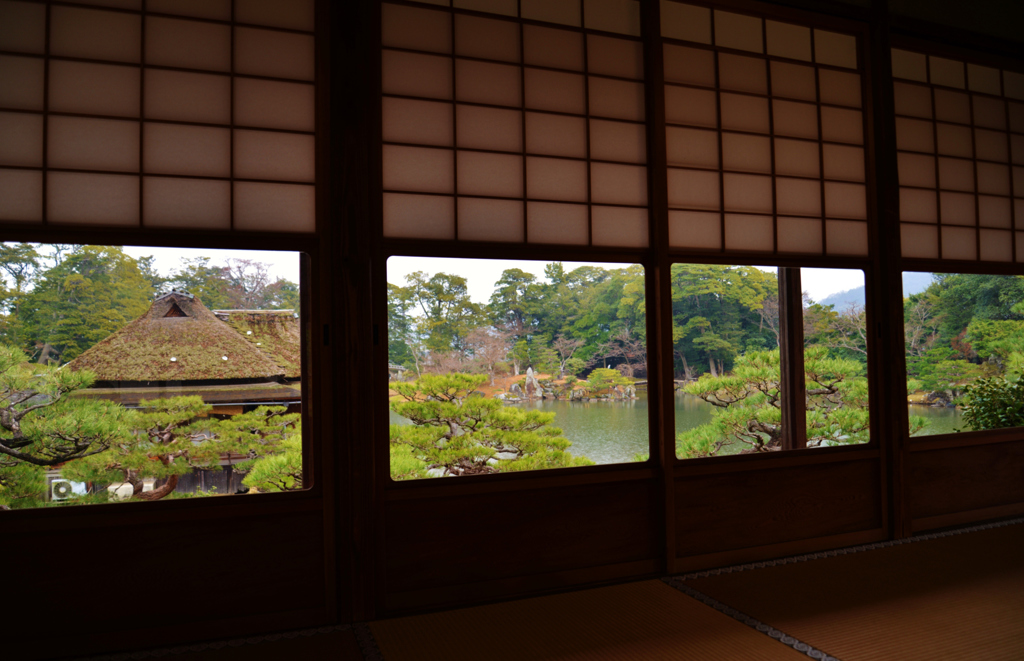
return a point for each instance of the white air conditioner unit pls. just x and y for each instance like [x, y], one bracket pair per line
[61, 490]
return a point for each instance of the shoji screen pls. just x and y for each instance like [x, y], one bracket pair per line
[960, 135]
[515, 121]
[158, 113]
[765, 134]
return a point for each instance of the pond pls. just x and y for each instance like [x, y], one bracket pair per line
[941, 420]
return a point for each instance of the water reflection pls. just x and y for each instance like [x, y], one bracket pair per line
[941, 419]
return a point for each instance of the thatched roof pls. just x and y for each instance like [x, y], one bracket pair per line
[255, 393]
[274, 332]
[177, 339]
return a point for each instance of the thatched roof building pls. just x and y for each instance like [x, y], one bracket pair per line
[180, 347]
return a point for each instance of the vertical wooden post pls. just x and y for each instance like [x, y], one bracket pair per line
[791, 359]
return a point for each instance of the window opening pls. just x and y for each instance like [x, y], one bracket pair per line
[499, 365]
[143, 374]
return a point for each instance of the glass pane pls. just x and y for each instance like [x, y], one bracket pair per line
[190, 386]
[520, 369]
[964, 339]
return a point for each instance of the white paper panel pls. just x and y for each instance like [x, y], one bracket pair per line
[556, 179]
[93, 144]
[693, 189]
[413, 74]
[618, 184]
[484, 82]
[744, 113]
[95, 34]
[616, 99]
[952, 106]
[21, 82]
[272, 53]
[276, 105]
[796, 157]
[843, 162]
[276, 156]
[1019, 236]
[1018, 185]
[747, 153]
[566, 12]
[21, 196]
[621, 16]
[744, 192]
[788, 40]
[920, 206]
[416, 28]
[911, 66]
[845, 201]
[1013, 88]
[94, 89]
[1017, 149]
[989, 112]
[754, 233]
[216, 9]
[991, 145]
[839, 88]
[983, 79]
[274, 207]
[917, 170]
[21, 139]
[694, 229]
[120, 4]
[549, 47]
[913, 100]
[486, 38]
[793, 81]
[686, 22]
[686, 105]
[504, 7]
[22, 27]
[186, 150]
[742, 74]
[615, 57]
[692, 147]
[799, 235]
[294, 14]
[956, 208]
[994, 212]
[915, 135]
[996, 246]
[842, 125]
[846, 237]
[993, 178]
[490, 220]
[620, 226]
[187, 203]
[798, 120]
[956, 174]
[554, 90]
[949, 73]
[839, 50]
[188, 44]
[187, 97]
[418, 169]
[692, 66]
[500, 175]
[738, 31]
[489, 128]
[92, 199]
[419, 216]
[797, 197]
[618, 141]
[919, 241]
[548, 222]
[556, 135]
[959, 243]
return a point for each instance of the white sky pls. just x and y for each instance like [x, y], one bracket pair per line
[481, 274]
[282, 264]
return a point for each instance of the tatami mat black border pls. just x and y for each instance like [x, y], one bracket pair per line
[771, 632]
[845, 551]
[367, 642]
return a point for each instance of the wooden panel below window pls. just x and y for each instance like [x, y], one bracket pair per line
[947, 481]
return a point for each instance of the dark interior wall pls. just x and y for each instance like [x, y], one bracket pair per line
[994, 18]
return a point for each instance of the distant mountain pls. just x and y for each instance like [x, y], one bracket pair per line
[913, 283]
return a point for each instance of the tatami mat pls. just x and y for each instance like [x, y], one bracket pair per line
[646, 621]
[955, 597]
